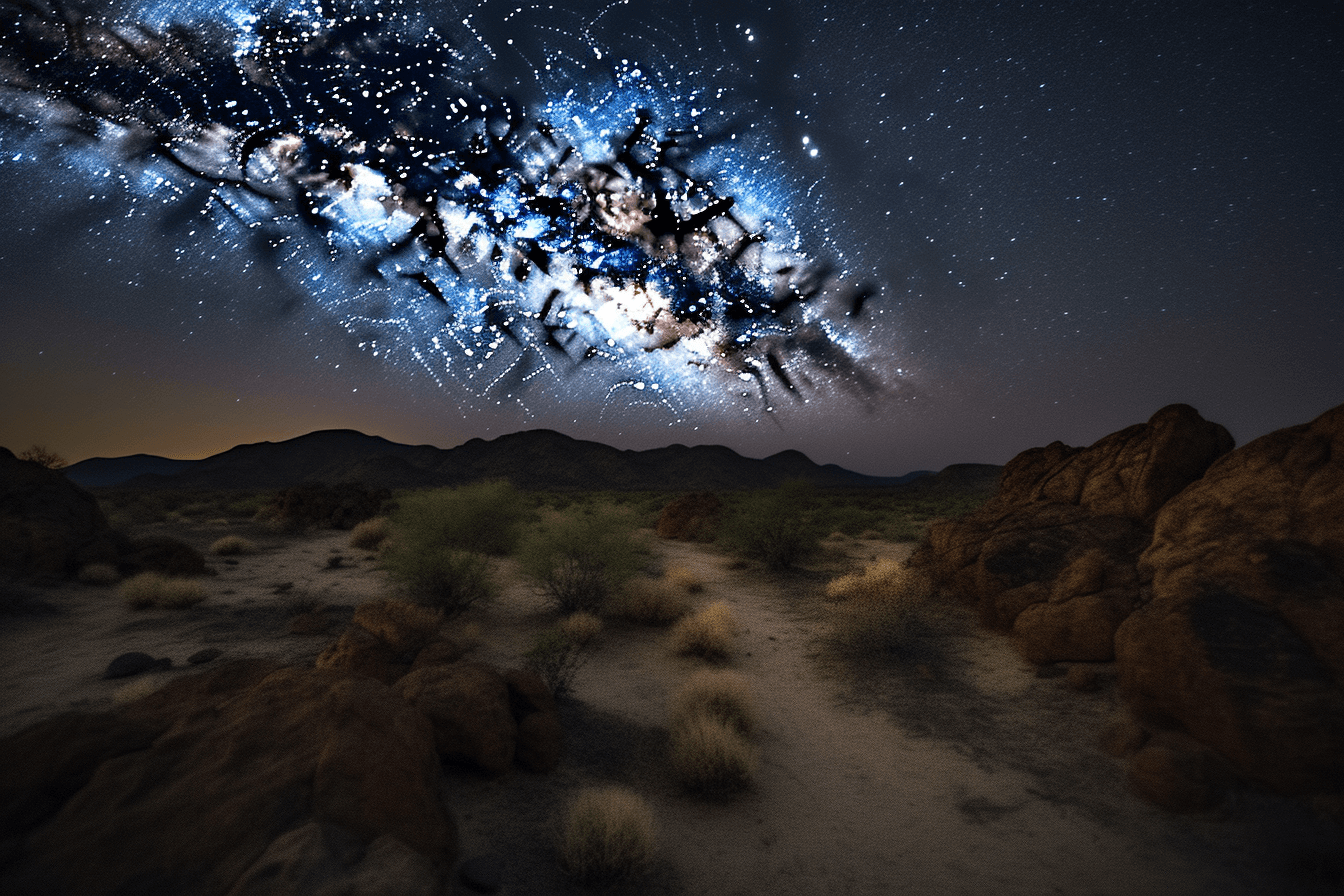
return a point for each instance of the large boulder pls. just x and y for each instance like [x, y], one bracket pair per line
[247, 779]
[1241, 640]
[1051, 557]
[383, 639]
[468, 704]
[49, 527]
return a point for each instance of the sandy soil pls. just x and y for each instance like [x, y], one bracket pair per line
[952, 770]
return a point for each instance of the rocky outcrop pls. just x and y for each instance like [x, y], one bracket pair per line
[468, 705]
[1052, 556]
[49, 527]
[248, 779]
[1241, 641]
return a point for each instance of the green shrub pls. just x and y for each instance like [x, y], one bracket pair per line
[607, 834]
[484, 518]
[440, 577]
[557, 658]
[710, 757]
[232, 545]
[581, 558]
[708, 633]
[717, 694]
[152, 589]
[776, 527]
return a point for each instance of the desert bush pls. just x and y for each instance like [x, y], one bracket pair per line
[168, 556]
[99, 574]
[684, 579]
[710, 757]
[691, 517]
[708, 633]
[646, 601]
[40, 454]
[774, 527]
[152, 589]
[717, 694]
[340, 506]
[440, 577]
[875, 609]
[370, 534]
[581, 628]
[231, 545]
[607, 834]
[484, 518]
[581, 558]
[557, 658]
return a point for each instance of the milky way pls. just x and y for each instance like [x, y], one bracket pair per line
[603, 225]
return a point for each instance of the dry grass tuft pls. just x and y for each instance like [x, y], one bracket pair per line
[132, 691]
[582, 627]
[875, 608]
[370, 534]
[99, 574]
[716, 694]
[684, 579]
[710, 757]
[883, 579]
[608, 833]
[708, 633]
[152, 589]
[232, 545]
[646, 601]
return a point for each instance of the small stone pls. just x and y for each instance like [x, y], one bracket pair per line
[134, 663]
[482, 874]
[204, 656]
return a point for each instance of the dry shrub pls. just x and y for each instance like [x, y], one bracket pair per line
[716, 694]
[710, 757]
[370, 534]
[232, 545]
[608, 833]
[708, 633]
[582, 627]
[649, 602]
[152, 589]
[99, 574]
[876, 607]
[684, 579]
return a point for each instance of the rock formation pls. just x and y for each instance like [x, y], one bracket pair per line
[49, 527]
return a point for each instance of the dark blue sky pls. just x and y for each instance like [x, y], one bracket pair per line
[1077, 213]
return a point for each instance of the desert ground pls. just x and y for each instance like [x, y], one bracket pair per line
[951, 769]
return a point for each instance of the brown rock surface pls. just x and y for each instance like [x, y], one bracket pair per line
[209, 781]
[1242, 641]
[540, 733]
[1052, 555]
[1177, 773]
[468, 705]
[360, 653]
[49, 527]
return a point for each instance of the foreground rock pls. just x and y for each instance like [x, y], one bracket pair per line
[1052, 557]
[49, 527]
[245, 780]
[1242, 639]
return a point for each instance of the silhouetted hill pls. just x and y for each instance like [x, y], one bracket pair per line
[537, 459]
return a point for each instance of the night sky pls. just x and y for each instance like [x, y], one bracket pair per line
[1074, 214]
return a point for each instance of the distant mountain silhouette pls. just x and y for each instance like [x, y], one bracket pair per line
[536, 459]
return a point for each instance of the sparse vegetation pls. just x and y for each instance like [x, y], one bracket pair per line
[447, 579]
[152, 589]
[720, 695]
[581, 558]
[873, 609]
[608, 833]
[581, 628]
[557, 658]
[99, 574]
[40, 454]
[709, 632]
[482, 518]
[710, 757]
[370, 534]
[647, 601]
[684, 579]
[777, 527]
[232, 545]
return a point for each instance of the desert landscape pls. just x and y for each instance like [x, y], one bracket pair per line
[883, 724]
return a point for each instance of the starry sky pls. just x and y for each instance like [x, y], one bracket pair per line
[1071, 215]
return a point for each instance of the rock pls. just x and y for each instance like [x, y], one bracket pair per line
[134, 663]
[1177, 773]
[440, 651]
[528, 693]
[482, 874]
[468, 705]
[1241, 640]
[201, 657]
[690, 517]
[166, 555]
[1122, 737]
[49, 527]
[403, 626]
[1052, 556]
[236, 780]
[361, 653]
[312, 622]
[541, 735]
[1084, 677]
